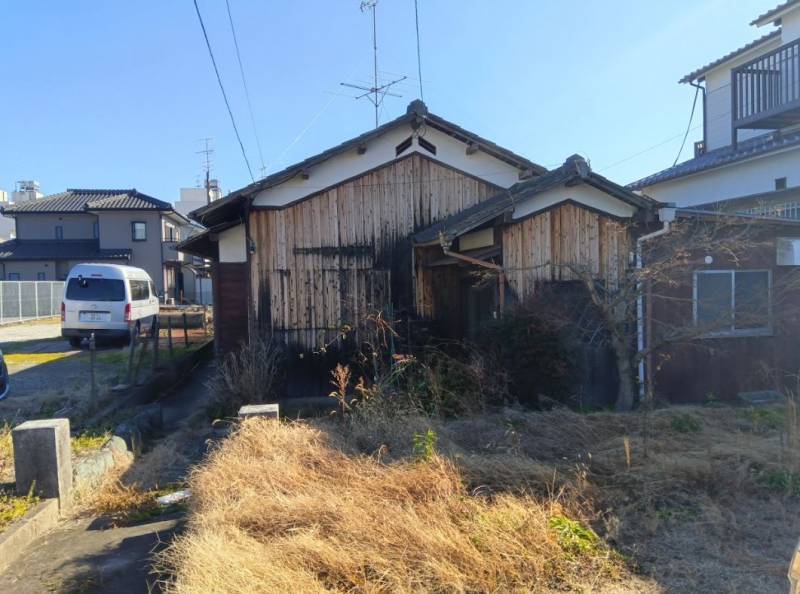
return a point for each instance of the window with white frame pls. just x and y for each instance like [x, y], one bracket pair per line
[733, 302]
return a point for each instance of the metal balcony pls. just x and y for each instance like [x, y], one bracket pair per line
[766, 90]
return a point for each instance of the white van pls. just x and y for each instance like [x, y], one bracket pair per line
[107, 299]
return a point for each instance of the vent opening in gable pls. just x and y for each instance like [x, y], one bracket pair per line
[402, 146]
[428, 146]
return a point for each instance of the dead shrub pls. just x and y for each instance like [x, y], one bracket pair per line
[251, 375]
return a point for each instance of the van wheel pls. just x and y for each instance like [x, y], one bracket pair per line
[75, 341]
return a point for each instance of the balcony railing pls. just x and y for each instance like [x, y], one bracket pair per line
[766, 90]
[169, 253]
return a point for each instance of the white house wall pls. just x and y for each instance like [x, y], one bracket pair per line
[381, 151]
[233, 245]
[582, 194]
[790, 25]
[732, 181]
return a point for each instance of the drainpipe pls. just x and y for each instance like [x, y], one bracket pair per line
[501, 276]
[700, 87]
[666, 215]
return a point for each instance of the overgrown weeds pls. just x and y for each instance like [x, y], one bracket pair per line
[280, 507]
[251, 375]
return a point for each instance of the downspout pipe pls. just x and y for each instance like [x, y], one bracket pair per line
[702, 89]
[666, 215]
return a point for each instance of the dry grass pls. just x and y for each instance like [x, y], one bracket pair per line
[281, 508]
[512, 501]
[6, 454]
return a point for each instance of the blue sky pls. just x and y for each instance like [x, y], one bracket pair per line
[118, 94]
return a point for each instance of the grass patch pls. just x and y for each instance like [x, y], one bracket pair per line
[89, 441]
[685, 423]
[32, 359]
[764, 419]
[13, 507]
[6, 453]
[281, 507]
[124, 505]
[780, 481]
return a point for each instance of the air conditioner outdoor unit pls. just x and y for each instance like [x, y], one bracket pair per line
[788, 251]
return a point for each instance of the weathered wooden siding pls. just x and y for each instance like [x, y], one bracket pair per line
[329, 260]
[554, 244]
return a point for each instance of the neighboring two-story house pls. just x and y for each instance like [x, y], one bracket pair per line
[117, 226]
[751, 126]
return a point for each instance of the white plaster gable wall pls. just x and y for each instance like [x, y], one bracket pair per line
[732, 181]
[233, 245]
[583, 194]
[790, 25]
[718, 99]
[381, 151]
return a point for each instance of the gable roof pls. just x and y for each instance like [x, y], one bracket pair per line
[772, 14]
[69, 249]
[697, 74]
[745, 149]
[574, 170]
[416, 115]
[85, 200]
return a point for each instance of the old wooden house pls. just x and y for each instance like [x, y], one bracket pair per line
[427, 222]
[321, 244]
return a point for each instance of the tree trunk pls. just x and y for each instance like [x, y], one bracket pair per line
[627, 385]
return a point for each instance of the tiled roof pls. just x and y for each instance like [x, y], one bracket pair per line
[216, 212]
[746, 149]
[575, 168]
[83, 200]
[753, 44]
[765, 18]
[64, 249]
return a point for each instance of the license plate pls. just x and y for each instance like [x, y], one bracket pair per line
[94, 316]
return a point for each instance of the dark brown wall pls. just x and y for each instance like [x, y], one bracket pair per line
[697, 369]
[230, 301]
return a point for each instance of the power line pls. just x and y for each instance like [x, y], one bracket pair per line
[246, 91]
[221, 88]
[688, 126]
[419, 52]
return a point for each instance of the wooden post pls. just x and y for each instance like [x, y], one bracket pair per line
[169, 336]
[154, 333]
[92, 361]
[142, 355]
[185, 331]
[130, 355]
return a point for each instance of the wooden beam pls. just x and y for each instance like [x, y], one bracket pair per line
[304, 174]
[362, 148]
[472, 148]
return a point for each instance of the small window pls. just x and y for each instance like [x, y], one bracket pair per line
[733, 302]
[153, 291]
[59, 232]
[139, 231]
[40, 276]
[428, 146]
[780, 183]
[13, 276]
[139, 290]
[400, 148]
[96, 230]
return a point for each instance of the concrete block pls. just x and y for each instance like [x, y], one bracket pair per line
[16, 539]
[259, 410]
[43, 459]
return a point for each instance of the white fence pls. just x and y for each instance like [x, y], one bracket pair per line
[29, 300]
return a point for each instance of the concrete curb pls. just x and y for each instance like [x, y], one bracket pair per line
[39, 520]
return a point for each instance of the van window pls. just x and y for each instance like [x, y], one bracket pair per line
[139, 290]
[95, 289]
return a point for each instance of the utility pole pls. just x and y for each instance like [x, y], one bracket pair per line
[377, 92]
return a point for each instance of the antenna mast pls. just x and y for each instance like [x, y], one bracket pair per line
[376, 92]
[207, 151]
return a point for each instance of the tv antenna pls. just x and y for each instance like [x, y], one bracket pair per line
[207, 151]
[377, 92]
